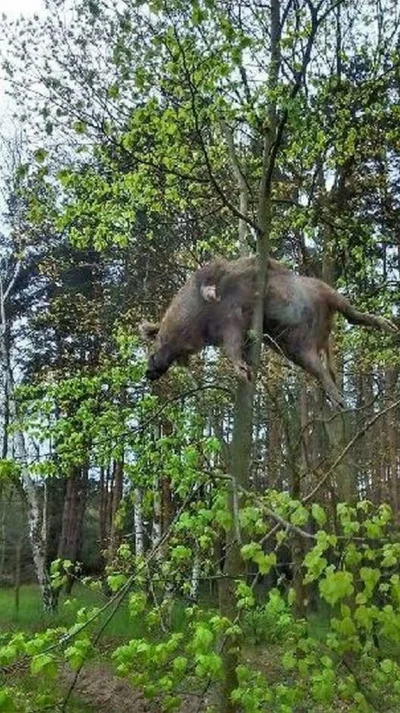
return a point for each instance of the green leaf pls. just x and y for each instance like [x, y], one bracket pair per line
[203, 638]
[45, 664]
[113, 91]
[79, 127]
[336, 586]
[245, 595]
[265, 561]
[370, 577]
[209, 666]
[40, 155]
[224, 518]
[180, 553]
[388, 666]
[79, 652]
[180, 664]
[55, 566]
[289, 661]
[8, 654]
[116, 581]
[315, 564]
[7, 702]
[137, 603]
[318, 514]
[253, 551]
[352, 557]
[300, 516]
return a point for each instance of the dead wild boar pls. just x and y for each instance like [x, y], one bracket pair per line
[215, 307]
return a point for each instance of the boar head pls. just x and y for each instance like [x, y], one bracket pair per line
[166, 350]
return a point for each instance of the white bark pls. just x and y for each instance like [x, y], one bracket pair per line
[156, 524]
[138, 522]
[195, 578]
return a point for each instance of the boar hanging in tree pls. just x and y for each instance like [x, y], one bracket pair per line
[215, 308]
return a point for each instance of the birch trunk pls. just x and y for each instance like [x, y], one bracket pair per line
[195, 578]
[115, 534]
[138, 522]
[30, 487]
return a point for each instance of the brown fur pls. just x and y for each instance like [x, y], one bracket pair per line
[215, 307]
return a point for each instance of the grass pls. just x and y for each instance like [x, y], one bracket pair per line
[46, 692]
[31, 617]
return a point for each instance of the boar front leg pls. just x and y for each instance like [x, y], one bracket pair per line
[232, 342]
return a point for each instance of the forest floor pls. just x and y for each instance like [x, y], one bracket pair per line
[97, 689]
[104, 692]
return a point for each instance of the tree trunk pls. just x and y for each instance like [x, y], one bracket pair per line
[104, 523]
[115, 534]
[336, 429]
[156, 522]
[2, 530]
[298, 545]
[138, 522]
[35, 511]
[392, 438]
[241, 447]
[17, 575]
[195, 578]
[30, 488]
[73, 516]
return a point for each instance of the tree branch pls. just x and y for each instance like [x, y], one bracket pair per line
[345, 450]
[203, 146]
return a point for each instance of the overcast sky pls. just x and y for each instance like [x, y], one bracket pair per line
[13, 8]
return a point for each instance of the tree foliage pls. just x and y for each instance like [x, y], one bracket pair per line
[159, 135]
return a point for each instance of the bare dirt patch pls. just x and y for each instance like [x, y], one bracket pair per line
[106, 693]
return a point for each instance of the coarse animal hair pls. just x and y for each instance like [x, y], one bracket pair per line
[215, 307]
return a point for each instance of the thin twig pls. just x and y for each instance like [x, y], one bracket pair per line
[121, 595]
[350, 444]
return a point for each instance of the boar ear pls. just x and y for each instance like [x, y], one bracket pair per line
[209, 293]
[148, 331]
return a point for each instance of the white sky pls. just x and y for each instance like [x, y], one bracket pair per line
[13, 8]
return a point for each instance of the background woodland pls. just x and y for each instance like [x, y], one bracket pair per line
[147, 139]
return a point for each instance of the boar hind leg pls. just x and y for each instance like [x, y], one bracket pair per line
[311, 362]
[232, 342]
[327, 360]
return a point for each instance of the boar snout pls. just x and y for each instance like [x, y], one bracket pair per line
[156, 367]
[152, 375]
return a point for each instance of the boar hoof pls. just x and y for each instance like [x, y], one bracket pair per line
[387, 325]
